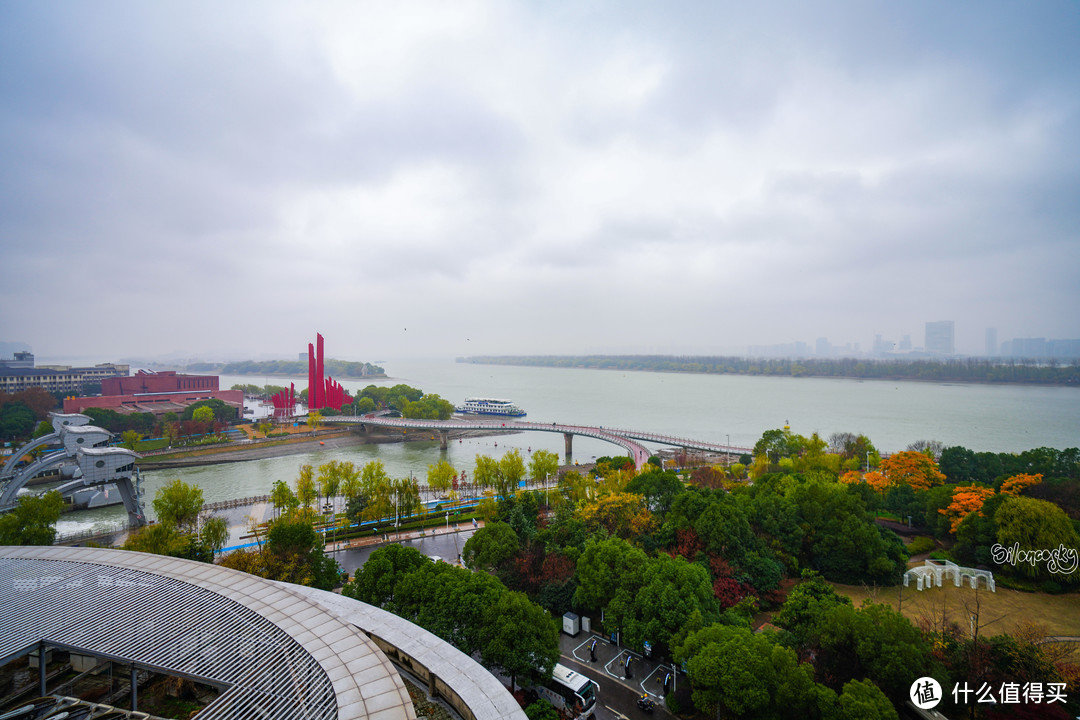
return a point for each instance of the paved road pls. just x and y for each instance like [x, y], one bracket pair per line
[618, 694]
[434, 542]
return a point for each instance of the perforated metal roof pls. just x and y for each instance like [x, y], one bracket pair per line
[275, 653]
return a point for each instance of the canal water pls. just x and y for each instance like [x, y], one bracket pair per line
[718, 408]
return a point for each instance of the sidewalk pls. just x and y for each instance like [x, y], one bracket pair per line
[393, 537]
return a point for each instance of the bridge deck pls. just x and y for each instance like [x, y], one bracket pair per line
[629, 440]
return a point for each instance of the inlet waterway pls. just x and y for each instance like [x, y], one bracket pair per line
[733, 409]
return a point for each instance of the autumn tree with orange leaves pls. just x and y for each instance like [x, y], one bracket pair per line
[966, 499]
[911, 468]
[877, 482]
[1018, 483]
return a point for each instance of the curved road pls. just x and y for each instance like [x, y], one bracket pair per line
[626, 439]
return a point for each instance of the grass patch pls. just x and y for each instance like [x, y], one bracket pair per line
[1004, 610]
[150, 445]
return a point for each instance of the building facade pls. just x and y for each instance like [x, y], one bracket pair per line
[57, 378]
[940, 338]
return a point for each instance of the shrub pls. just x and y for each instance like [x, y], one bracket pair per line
[920, 545]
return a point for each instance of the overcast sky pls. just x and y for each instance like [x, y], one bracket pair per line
[450, 178]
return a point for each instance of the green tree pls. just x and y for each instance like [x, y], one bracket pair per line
[490, 547]
[1031, 525]
[376, 579]
[440, 477]
[32, 521]
[16, 420]
[282, 498]
[807, 604]
[511, 472]
[522, 639]
[863, 700]
[223, 412]
[486, 472]
[673, 590]
[542, 465]
[376, 487]
[214, 533]
[659, 488]
[872, 642]
[541, 709]
[178, 505]
[739, 674]
[305, 486]
[161, 539]
[295, 554]
[329, 479]
[171, 431]
[203, 414]
[130, 438]
[606, 567]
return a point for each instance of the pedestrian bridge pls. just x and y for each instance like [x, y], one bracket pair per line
[629, 440]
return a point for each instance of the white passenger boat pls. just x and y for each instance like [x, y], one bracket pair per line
[490, 406]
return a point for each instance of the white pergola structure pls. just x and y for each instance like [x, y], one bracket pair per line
[932, 573]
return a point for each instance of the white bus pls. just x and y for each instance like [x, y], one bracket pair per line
[572, 694]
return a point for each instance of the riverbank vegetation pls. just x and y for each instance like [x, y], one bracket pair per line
[297, 368]
[961, 370]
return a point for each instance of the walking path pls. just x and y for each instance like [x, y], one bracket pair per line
[395, 537]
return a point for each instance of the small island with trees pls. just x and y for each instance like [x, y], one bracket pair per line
[297, 368]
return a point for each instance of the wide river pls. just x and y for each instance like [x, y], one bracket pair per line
[718, 408]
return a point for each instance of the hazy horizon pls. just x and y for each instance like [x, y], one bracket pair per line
[431, 180]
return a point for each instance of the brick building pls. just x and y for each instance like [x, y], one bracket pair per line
[156, 392]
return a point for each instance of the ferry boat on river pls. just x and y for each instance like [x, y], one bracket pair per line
[490, 406]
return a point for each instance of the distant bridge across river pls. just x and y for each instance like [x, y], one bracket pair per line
[629, 440]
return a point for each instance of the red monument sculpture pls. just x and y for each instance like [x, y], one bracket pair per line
[322, 391]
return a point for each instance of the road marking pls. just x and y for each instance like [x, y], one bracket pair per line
[591, 638]
[616, 713]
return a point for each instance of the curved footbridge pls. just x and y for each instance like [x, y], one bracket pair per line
[629, 440]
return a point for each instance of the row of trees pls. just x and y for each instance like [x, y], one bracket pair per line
[409, 401]
[960, 370]
[472, 611]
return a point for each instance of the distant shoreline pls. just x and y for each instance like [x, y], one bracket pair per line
[961, 372]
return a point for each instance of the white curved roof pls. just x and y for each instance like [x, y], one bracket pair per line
[277, 653]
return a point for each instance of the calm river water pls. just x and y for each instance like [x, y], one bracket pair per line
[720, 408]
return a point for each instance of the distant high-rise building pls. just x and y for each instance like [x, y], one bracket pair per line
[822, 347]
[905, 342]
[1063, 348]
[940, 338]
[991, 342]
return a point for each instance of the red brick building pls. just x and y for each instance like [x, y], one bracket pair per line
[158, 382]
[155, 392]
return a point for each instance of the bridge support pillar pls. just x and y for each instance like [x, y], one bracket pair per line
[568, 442]
[444, 436]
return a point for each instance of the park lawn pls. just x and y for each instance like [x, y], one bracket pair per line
[1000, 612]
